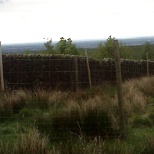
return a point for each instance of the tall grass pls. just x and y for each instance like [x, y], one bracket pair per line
[85, 121]
[31, 142]
[138, 106]
[34, 143]
[13, 102]
[92, 117]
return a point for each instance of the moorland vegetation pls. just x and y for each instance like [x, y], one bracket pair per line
[85, 121]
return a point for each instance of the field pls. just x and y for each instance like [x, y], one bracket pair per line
[85, 121]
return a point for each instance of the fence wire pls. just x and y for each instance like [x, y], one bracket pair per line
[66, 72]
[48, 98]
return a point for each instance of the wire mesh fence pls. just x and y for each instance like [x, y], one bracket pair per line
[66, 72]
[48, 102]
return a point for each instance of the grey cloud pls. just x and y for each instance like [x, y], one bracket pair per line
[4, 1]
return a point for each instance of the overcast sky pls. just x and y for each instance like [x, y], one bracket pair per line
[33, 20]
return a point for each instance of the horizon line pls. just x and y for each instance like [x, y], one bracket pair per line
[75, 40]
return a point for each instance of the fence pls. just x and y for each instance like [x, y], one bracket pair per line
[72, 122]
[66, 72]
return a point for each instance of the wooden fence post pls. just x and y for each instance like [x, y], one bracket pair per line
[1, 70]
[147, 57]
[89, 74]
[119, 87]
[76, 72]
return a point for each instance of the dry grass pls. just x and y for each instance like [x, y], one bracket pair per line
[31, 142]
[86, 113]
[81, 146]
[92, 117]
[146, 85]
[13, 102]
[135, 100]
[137, 96]
[34, 143]
[137, 93]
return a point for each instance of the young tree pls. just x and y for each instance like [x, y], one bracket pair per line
[109, 47]
[49, 47]
[124, 51]
[66, 47]
[147, 48]
[106, 49]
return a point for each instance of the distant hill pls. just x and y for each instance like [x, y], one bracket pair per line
[125, 41]
[19, 48]
[137, 41]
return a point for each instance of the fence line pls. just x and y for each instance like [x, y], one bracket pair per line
[57, 71]
[147, 56]
[1, 70]
[68, 120]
